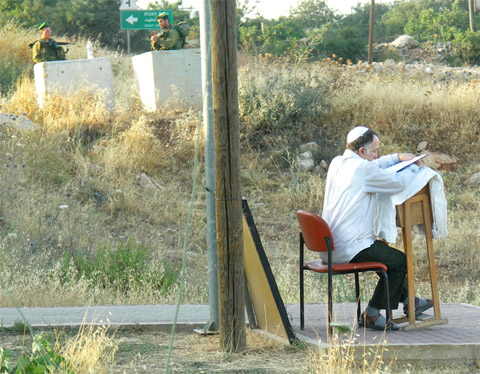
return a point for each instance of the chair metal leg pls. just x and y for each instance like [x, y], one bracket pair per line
[357, 296]
[302, 303]
[388, 310]
[330, 307]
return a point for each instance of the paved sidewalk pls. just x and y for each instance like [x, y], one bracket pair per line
[457, 341]
[149, 316]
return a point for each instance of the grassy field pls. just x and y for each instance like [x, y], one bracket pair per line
[78, 227]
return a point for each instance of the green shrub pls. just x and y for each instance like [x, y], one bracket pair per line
[278, 101]
[467, 47]
[10, 70]
[47, 161]
[122, 269]
[42, 359]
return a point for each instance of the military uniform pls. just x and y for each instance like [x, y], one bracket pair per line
[47, 51]
[167, 39]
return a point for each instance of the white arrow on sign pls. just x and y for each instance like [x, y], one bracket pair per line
[131, 20]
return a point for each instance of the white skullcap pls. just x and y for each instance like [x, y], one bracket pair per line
[355, 133]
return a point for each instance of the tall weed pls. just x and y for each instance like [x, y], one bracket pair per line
[15, 56]
[124, 269]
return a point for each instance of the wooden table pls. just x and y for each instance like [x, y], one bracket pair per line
[414, 211]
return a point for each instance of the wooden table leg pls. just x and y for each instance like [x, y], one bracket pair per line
[431, 257]
[408, 246]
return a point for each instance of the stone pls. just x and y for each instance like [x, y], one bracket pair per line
[319, 170]
[377, 68]
[145, 181]
[422, 146]
[324, 164]
[474, 179]
[389, 63]
[440, 161]
[305, 161]
[19, 122]
[405, 41]
[311, 146]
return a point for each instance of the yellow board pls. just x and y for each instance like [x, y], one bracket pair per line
[267, 303]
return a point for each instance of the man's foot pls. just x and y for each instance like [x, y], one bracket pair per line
[421, 305]
[377, 322]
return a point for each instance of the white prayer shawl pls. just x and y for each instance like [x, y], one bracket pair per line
[385, 214]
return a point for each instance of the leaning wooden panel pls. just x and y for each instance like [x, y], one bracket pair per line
[267, 302]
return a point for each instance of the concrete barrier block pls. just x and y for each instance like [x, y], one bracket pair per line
[64, 77]
[164, 75]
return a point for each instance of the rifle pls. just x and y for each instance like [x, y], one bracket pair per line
[55, 44]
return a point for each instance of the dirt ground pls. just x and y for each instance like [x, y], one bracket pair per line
[142, 351]
[146, 352]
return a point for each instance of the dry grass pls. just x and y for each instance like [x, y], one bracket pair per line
[91, 160]
[92, 350]
[142, 351]
[341, 355]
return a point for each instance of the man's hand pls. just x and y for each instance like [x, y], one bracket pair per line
[419, 163]
[404, 156]
[154, 38]
[409, 156]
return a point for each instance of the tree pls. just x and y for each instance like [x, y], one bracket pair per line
[360, 19]
[179, 15]
[446, 24]
[97, 19]
[405, 11]
[313, 14]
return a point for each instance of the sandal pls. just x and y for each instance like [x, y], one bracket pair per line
[419, 309]
[377, 322]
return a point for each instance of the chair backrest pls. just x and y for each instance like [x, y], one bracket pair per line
[314, 231]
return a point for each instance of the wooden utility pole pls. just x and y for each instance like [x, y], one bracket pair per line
[371, 32]
[231, 275]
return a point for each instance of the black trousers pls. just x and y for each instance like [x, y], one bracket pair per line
[396, 263]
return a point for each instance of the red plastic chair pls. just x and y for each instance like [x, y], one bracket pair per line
[316, 235]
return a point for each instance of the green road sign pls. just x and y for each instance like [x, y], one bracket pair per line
[141, 19]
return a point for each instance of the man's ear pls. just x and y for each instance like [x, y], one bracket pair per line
[361, 151]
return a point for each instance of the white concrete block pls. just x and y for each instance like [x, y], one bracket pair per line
[164, 75]
[70, 76]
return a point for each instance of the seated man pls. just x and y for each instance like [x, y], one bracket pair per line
[46, 49]
[353, 179]
[168, 38]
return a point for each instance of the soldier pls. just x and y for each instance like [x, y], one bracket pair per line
[168, 38]
[46, 49]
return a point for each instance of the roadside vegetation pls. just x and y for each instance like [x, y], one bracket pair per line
[311, 25]
[79, 225]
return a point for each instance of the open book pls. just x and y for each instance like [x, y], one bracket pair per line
[403, 164]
